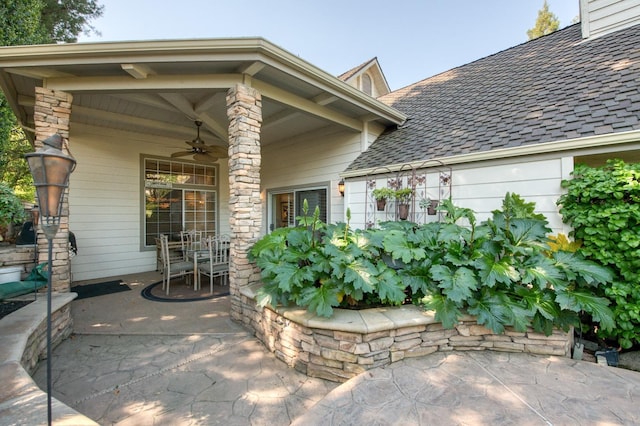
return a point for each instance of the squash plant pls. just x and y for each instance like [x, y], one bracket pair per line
[603, 206]
[502, 270]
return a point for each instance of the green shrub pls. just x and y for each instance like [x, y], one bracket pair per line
[603, 206]
[502, 271]
[11, 208]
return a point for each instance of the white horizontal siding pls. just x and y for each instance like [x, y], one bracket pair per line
[105, 201]
[483, 187]
[307, 161]
[604, 16]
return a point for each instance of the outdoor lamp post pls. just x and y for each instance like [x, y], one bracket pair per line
[50, 168]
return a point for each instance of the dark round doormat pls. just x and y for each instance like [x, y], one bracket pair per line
[182, 292]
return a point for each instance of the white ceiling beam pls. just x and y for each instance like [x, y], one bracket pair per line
[181, 103]
[215, 127]
[207, 81]
[306, 105]
[253, 68]
[325, 99]
[39, 73]
[210, 101]
[152, 82]
[137, 71]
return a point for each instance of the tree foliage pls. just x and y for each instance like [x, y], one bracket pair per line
[28, 22]
[546, 23]
[602, 205]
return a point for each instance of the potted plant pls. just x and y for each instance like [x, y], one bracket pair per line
[429, 205]
[382, 195]
[403, 197]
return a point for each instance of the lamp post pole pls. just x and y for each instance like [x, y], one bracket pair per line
[51, 169]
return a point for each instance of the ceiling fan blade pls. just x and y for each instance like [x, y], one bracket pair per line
[204, 158]
[181, 153]
[218, 151]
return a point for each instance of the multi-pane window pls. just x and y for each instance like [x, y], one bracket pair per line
[285, 206]
[178, 196]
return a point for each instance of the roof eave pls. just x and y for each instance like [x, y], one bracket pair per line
[132, 51]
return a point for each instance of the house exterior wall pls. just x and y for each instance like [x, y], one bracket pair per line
[316, 159]
[604, 16]
[105, 212]
[105, 201]
[479, 186]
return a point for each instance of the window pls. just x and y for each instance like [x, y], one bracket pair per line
[366, 84]
[286, 205]
[178, 196]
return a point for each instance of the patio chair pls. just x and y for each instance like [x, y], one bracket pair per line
[218, 264]
[191, 240]
[172, 267]
[175, 253]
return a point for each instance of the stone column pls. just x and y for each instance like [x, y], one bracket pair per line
[51, 115]
[244, 110]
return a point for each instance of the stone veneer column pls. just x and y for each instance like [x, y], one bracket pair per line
[244, 110]
[51, 115]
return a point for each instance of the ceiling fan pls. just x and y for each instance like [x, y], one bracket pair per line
[202, 152]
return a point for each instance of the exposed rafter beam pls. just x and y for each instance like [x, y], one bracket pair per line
[39, 73]
[152, 82]
[218, 81]
[137, 71]
[181, 103]
[252, 69]
[208, 102]
[306, 105]
[325, 99]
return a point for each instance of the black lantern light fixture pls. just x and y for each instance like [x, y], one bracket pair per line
[341, 187]
[50, 168]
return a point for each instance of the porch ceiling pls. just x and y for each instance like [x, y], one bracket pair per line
[160, 87]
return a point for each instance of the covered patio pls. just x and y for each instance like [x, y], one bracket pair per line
[126, 107]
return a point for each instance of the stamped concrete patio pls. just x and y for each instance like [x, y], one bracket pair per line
[137, 362]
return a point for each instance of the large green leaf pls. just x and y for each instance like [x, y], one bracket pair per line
[490, 311]
[362, 275]
[590, 272]
[447, 311]
[541, 271]
[390, 285]
[457, 285]
[320, 299]
[492, 271]
[539, 301]
[577, 301]
[397, 245]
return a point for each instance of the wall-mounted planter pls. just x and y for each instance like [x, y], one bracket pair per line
[403, 211]
[433, 205]
[381, 204]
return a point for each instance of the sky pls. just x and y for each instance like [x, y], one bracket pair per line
[412, 39]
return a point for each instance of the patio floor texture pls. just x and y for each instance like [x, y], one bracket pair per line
[134, 361]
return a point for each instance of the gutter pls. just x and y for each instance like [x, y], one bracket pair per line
[597, 141]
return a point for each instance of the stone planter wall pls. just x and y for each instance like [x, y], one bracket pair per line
[23, 256]
[352, 342]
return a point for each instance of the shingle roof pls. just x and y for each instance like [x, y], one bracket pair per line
[345, 75]
[553, 88]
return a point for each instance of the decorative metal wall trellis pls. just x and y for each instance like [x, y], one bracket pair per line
[430, 183]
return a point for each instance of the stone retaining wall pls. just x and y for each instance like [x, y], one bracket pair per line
[24, 256]
[352, 342]
[22, 344]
